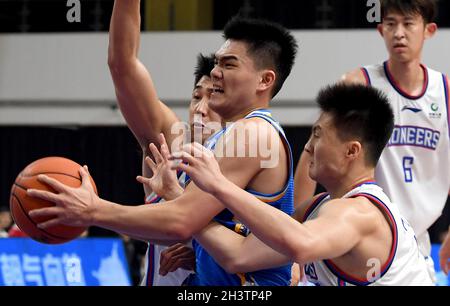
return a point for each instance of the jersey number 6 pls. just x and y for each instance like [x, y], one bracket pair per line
[407, 168]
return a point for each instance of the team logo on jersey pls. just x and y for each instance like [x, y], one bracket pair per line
[412, 109]
[435, 113]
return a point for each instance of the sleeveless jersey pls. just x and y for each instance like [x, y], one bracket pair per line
[153, 255]
[414, 168]
[209, 272]
[405, 266]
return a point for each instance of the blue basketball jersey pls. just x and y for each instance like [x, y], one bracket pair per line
[209, 272]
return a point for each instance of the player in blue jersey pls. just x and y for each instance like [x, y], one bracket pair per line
[250, 70]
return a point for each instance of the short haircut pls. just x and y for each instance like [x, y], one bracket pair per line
[269, 44]
[425, 8]
[362, 113]
[205, 64]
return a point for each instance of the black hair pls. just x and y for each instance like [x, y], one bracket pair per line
[270, 45]
[425, 8]
[359, 112]
[205, 64]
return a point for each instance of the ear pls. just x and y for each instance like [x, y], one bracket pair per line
[267, 80]
[354, 149]
[380, 29]
[430, 30]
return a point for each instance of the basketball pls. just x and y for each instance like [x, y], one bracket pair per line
[62, 169]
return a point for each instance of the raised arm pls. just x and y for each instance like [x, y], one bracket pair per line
[145, 114]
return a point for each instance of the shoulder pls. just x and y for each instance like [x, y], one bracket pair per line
[354, 77]
[252, 130]
[359, 211]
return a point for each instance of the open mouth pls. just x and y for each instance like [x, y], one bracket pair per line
[218, 90]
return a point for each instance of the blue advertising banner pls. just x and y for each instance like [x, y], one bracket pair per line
[82, 262]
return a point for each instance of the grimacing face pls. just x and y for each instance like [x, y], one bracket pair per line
[235, 79]
[200, 114]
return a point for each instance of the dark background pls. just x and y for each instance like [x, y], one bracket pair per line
[50, 15]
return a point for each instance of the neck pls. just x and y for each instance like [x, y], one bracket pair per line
[408, 75]
[348, 183]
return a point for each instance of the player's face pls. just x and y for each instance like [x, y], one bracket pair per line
[200, 115]
[405, 35]
[326, 152]
[235, 80]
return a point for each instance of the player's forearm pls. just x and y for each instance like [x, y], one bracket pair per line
[272, 226]
[238, 254]
[124, 33]
[223, 250]
[148, 222]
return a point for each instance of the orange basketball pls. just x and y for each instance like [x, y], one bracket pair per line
[62, 169]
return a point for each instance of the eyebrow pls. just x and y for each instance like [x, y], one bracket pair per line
[406, 18]
[227, 58]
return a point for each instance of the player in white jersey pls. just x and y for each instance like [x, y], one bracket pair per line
[414, 168]
[148, 117]
[405, 265]
[353, 235]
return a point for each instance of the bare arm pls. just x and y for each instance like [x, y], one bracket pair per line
[176, 220]
[335, 232]
[304, 185]
[354, 77]
[339, 227]
[236, 253]
[146, 116]
[444, 254]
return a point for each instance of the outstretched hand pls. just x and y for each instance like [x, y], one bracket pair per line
[201, 166]
[73, 206]
[164, 181]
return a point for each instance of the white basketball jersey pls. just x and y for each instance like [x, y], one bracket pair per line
[414, 169]
[153, 255]
[405, 266]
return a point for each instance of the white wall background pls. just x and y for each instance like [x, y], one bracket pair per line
[64, 78]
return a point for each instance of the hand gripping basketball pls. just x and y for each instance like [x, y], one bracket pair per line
[62, 174]
[73, 206]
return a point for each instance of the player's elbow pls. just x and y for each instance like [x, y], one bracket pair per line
[179, 229]
[119, 64]
[301, 251]
[234, 265]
